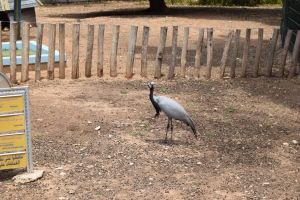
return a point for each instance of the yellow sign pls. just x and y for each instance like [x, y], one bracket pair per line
[13, 161]
[15, 139]
[12, 143]
[12, 123]
[11, 104]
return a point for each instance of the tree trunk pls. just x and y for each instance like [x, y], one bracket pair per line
[157, 4]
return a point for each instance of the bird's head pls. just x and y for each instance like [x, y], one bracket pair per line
[151, 85]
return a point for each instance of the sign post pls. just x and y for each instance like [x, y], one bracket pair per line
[15, 139]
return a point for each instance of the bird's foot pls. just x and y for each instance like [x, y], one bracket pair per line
[166, 141]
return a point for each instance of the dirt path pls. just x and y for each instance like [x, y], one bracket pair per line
[243, 125]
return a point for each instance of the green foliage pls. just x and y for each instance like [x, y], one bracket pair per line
[224, 2]
[230, 109]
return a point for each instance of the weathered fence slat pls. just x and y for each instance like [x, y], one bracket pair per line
[295, 56]
[25, 51]
[61, 38]
[272, 49]
[184, 52]
[245, 53]
[131, 51]
[89, 50]
[225, 54]
[235, 52]
[199, 52]
[75, 51]
[260, 39]
[160, 51]
[12, 40]
[171, 73]
[1, 58]
[38, 51]
[209, 52]
[144, 51]
[114, 51]
[285, 52]
[51, 55]
[100, 45]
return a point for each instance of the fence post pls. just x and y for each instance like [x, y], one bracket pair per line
[174, 52]
[295, 56]
[1, 58]
[225, 54]
[209, 52]
[260, 40]
[199, 52]
[89, 50]
[51, 37]
[131, 51]
[38, 53]
[100, 50]
[75, 51]
[272, 52]
[285, 52]
[184, 51]
[160, 51]
[114, 51]
[25, 51]
[61, 38]
[245, 52]
[235, 52]
[144, 51]
[12, 40]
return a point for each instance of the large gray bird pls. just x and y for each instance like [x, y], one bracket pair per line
[172, 109]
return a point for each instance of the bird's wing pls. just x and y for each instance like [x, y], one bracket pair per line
[171, 108]
[174, 110]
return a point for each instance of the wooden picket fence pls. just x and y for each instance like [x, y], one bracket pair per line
[233, 39]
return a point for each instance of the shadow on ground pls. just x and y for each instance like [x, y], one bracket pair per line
[189, 12]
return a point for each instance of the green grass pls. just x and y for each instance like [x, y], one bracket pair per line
[230, 109]
[6, 52]
[140, 132]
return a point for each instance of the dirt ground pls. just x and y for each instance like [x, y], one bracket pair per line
[248, 128]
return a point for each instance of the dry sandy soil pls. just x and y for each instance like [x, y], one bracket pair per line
[247, 128]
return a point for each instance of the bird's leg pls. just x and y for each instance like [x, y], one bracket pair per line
[171, 130]
[168, 126]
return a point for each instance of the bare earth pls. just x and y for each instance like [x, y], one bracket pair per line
[247, 127]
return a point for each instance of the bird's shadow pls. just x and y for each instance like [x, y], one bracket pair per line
[168, 142]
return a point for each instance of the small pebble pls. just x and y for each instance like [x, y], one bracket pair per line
[295, 142]
[71, 192]
[285, 144]
[266, 183]
[62, 174]
[98, 128]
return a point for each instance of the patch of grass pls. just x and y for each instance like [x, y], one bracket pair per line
[210, 136]
[230, 109]
[136, 133]
[140, 132]
[7, 181]
[163, 90]
[124, 92]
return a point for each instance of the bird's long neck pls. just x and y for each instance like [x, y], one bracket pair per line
[154, 103]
